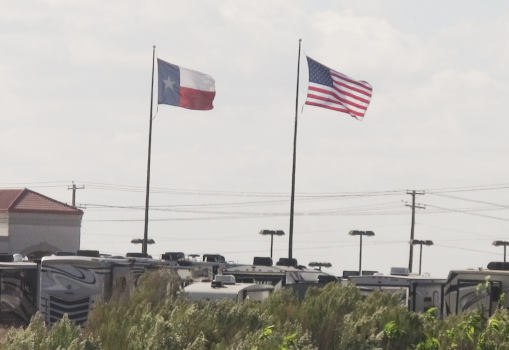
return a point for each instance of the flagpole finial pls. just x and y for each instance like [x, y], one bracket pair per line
[300, 40]
[153, 46]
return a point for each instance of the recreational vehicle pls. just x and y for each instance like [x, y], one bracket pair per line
[418, 293]
[72, 284]
[289, 275]
[478, 289]
[18, 292]
[225, 287]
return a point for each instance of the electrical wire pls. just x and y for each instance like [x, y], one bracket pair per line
[462, 211]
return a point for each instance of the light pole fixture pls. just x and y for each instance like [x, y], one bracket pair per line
[504, 243]
[319, 264]
[360, 234]
[141, 240]
[421, 243]
[272, 233]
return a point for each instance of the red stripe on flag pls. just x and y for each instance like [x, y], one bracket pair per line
[344, 110]
[316, 97]
[343, 92]
[352, 88]
[196, 99]
[344, 77]
[338, 98]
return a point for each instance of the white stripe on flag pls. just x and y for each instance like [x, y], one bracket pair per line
[196, 80]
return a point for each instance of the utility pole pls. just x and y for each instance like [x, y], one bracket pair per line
[413, 193]
[74, 188]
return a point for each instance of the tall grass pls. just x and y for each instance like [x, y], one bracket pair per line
[155, 316]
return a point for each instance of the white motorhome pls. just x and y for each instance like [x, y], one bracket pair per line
[225, 287]
[18, 292]
[72, 284]
[476, 289]
[299, 278]
[419, 293]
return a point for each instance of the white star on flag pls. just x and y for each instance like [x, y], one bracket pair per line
[169, 84]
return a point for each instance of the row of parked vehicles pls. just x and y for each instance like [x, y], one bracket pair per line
[71, 283]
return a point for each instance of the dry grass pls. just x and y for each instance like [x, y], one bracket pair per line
[3, 333]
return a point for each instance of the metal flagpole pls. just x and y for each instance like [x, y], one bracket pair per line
[147, 192]
[290, 240]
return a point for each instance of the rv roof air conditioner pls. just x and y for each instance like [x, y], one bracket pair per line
[222, 280]
[262, 261]
[214, 258]
[350, 273]
[173, 256]
[138, 255]
[17, 257]
[62, 253]
[89, 253]
[225, 279]
[287, 262]
[4, 257]
[498, 265]
[399, 271]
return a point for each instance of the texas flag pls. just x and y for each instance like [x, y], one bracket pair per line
[183, 87]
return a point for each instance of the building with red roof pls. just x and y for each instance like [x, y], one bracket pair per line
[34, 225]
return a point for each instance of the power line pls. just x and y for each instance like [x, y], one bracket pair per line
[471, 200]
[469, 213]
[134, 188]
[478, 234]
[466, 249]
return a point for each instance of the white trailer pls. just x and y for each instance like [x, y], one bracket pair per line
[297, 278]
[276, 274]
[225, 287]
[419, 293]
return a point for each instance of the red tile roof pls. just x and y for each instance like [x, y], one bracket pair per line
[25, 200]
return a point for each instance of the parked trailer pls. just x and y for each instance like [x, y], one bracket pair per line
[478, 289]
[225, 287]
[18, 292]
[419, 293]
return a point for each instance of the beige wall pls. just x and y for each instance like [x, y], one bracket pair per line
[4, 225]
[30, 232]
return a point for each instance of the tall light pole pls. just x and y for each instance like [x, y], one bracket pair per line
[272, 233]
[360, 234]
[421, 243]
[142, 241]
[504, 243]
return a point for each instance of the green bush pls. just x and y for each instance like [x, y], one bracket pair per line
[155, 317]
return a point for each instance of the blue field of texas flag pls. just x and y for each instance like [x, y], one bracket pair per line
[178, 86]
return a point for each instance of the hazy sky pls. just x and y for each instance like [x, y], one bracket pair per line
[75, 97]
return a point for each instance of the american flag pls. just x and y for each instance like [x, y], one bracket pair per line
[333, 90]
